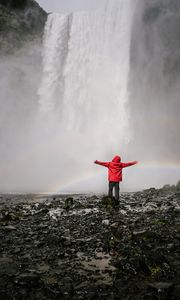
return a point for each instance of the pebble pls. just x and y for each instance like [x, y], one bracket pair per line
[84, 247]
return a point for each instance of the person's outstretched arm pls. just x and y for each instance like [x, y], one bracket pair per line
[104, 164]
[124, 165]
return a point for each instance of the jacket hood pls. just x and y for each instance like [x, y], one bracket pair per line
[116, 159]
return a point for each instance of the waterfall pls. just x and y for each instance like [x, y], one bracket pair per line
[84, 86]
[54, 58]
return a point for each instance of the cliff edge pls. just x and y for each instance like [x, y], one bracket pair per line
[20, 21]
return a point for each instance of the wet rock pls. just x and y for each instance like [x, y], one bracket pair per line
[9, 227]
[68, 203]
[176, 292]
[163, 290]
[16, 250]
[94, 197]
[109, 202]
[8, 267]
[43, 268]
[178, 185]
[82, 285]
[143, 266]
[150, 296]
[171, 188]
[66, 287]
[105, 222]
[139, 233]
[28, 279]
[160, 286]
[51, 253]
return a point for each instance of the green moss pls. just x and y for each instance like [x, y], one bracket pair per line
[49, 280]
[110, 203]
[113, 240]
[4, 19]
[159, 222]
[136, 251]
[2, 44]
[10, 22]
[155, 270]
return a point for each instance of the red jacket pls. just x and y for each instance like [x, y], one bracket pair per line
[115, 168]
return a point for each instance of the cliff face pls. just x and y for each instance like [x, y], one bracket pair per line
[20, 21]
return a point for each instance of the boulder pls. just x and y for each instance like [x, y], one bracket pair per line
[109, 202]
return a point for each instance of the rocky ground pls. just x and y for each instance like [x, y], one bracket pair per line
[86, 247]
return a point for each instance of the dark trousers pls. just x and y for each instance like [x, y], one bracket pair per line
[115, 185]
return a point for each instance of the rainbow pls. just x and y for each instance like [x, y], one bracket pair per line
[152, 166]
[149, 166]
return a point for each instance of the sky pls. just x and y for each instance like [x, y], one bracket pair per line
[67, 5]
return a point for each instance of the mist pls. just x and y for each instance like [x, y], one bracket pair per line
[154, 81]
[49, 141]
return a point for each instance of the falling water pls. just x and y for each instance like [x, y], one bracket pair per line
[84, 85]
[86, 67]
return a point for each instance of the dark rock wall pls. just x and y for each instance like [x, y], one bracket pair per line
[20, 21]
[154, 79]
[13, 3]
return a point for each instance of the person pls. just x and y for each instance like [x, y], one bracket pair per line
[115, 173]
